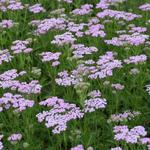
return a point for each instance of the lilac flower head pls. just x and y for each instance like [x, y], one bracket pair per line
[59, 115]
[14, 5]
[20, 46]
[15, 137]
[79, 50]
[6, 24]
[145, 7]
[5, 56]
[15, 101]
[117, 86]
[46, 25]
[51, 57]
[94, 102]
[84, 10]
[78, 147]
[118, 15]
[125, 116]
[64, 39]
[123, 133]
[37, 8]
[136, 59]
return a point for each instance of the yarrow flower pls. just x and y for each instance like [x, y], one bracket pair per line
[7, 80]
[125, 116]
[145, 7]
[79, 50]
[123, 133]
[20, 46]
[137, 29]
[136, 59]
[11, 75]
[76, 28]
[104, 4]
[96, 30]
[134, 39]
[93, 70]
[59, 115]
[94, 102]
[145, 140]
[10, 5]
[64, 39]
[15, 101]
[46, 25]
[37, 8]
[15, 137]
[5, 56]
[118, 15]
[15, 6]
[84, 10]
[117, 86]
[53, 58]
[6, 24]
[104, 66]
[78, 147]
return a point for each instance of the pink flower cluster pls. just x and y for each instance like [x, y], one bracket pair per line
[104, 4]
[64, 39]
[117, 86]
[7, 80]
[65, 79]
[11, 75]
[136, 59]
[6, 24]
[5, 56]
[78, 147]
[118, 15]
[76, 28]
[138, 29]
[15, 101]
[79, 50]
[93, 70]
[123, 133]
[51, 57]
[84, 10]
[145, 7]
[46, 25]
[96, 30]
[37, 8]
[127, 115]
[10, 5]
[20, 46]
[104, 66]
[15, 137]
[59, 115]
[145, 140]
[134, 39]
[94, 102]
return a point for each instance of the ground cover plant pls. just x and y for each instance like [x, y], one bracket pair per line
[75, 75]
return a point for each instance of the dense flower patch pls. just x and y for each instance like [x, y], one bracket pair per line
[74, 75]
